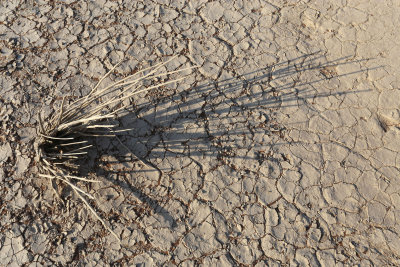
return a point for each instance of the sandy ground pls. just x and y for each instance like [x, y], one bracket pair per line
[282, 148]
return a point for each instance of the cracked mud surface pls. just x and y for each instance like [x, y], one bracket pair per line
[281, 149]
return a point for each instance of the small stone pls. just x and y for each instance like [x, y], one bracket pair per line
[20, 201]
[11, 67]
[22, 165]
[386, 122]
[19, 65]
[20, 57]
[6, 51]
[5, 152]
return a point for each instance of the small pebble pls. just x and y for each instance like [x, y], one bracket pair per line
[20, 57]
[6, 51]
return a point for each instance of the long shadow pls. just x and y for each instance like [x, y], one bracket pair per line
[228, 99]
[188, 123]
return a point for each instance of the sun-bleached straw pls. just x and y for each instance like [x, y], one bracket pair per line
[59, 145]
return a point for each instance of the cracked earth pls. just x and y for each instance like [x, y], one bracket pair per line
[281, 149]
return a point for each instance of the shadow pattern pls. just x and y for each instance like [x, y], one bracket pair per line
[209, 125]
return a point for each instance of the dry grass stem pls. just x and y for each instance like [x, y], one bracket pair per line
[61, 141]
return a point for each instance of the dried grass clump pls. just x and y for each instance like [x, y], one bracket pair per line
[62, 139]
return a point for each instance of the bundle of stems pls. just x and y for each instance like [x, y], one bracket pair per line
[62, 142]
